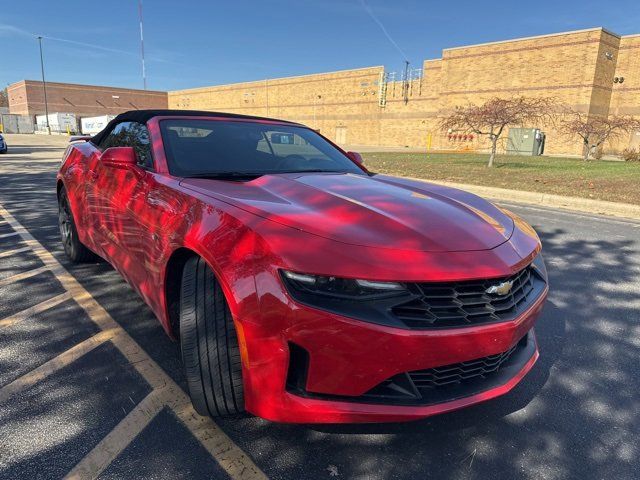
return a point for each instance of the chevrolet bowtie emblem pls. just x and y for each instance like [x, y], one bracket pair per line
[502, 288]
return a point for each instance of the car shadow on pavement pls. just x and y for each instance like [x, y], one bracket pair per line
[31, 198]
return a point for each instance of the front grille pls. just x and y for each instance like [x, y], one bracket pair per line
[455, 304]
[460, 372]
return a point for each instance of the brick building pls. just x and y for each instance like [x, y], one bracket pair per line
[367, 107]
[27, 98]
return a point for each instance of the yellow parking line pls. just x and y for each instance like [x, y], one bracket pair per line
[9, 253]
[94, 463]
[40, 307]
[228, 455]
[55, 364]
[21, 276]
[10, 234]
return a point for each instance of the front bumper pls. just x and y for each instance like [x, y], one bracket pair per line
[310, 410]
[347, 358]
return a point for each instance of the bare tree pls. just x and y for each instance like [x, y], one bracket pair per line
[595, 130]
[492, 117]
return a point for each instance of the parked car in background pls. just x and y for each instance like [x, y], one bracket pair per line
[3, 144]
[303, 287]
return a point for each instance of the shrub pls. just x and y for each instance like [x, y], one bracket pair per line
[631, 155]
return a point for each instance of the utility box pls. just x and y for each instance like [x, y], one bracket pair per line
[525, 141]
[92, 125]
[58, 122]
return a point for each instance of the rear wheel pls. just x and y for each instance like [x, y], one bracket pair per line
[73, 247]
[209, 343]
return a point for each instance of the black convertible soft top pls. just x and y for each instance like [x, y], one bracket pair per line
[143, 116]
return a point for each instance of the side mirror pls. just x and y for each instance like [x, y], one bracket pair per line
[356, 157]
[119, 156]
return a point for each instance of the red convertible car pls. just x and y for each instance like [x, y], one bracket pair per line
[301, 286]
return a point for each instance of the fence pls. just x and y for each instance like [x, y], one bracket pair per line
[11, 123]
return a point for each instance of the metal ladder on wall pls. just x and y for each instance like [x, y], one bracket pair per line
[382, 89]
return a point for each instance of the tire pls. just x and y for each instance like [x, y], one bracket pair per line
[209, 344]
[73, 247]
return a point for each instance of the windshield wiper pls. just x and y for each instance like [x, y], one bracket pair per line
[311, 170]
[230, 175]
[225, 175]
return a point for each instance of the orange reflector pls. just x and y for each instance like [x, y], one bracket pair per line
[242, 343]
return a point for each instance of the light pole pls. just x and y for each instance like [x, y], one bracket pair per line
[44, 87]
[144, 71]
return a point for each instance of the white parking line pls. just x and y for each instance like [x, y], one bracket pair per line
[40, 307]
[228, 455]
[21, 276]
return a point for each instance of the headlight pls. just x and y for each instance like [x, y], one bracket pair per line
[354, 289]
[368, 300]
[540, 267]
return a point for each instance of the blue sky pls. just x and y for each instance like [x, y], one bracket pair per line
[190, 44]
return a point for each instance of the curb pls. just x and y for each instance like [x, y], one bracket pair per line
[577, 204]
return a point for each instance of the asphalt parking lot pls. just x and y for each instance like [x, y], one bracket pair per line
[90, 386]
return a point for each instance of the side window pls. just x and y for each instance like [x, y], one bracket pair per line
[112, 139]
[131, 134]
[139, 140]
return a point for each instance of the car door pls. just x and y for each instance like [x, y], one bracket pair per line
[95, 214]
[119, 196]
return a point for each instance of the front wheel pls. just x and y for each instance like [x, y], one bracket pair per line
[210, 350]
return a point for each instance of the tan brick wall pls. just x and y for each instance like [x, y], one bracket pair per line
[567, 67]
[625, 97]
[574, 68]
[27, 98]
[324, 101]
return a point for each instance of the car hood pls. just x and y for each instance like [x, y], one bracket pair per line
[375, 211]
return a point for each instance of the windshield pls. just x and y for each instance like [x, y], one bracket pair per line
[214, 147]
